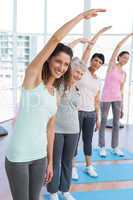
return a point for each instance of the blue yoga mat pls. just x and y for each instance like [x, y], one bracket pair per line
[106, 173]
[116, 194]
[110, 156]
[105, 195]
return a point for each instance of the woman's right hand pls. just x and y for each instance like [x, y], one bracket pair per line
[84, 40]
[131, 34]
[92, 13]
[106, 28]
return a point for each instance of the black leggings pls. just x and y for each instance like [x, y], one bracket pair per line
[87, 122]
[26, 178]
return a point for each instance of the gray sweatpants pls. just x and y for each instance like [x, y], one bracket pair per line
[26, 178]
[64, 149]
[116, 109]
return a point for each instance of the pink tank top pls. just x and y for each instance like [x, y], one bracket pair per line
[112, 86]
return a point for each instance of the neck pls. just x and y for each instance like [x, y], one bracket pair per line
[91, 71]
[120, 65]
[71, 82]
[51, 81]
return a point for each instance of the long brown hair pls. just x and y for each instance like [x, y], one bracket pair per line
[46, 73]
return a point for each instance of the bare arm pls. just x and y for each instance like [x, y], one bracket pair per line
[33, 72]
[122, 91]
[59, 35]
[50, 144]
[86, 53]
[97, 104]
[116, 51]
[50, 138]
[77, 41]
[97, 108]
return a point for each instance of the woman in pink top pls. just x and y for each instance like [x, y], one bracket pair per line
[113, 95]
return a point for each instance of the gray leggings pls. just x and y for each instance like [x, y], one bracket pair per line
[26, 178]
[64, 149]
[116, 109]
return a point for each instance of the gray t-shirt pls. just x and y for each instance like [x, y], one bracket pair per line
[67, 121]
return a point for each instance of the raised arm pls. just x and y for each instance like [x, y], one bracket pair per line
[38, 61]
[122, 94]
[116, 51]
[92, 42]
[77, 41]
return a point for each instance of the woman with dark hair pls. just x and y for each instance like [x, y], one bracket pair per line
[112, 95]
[33, 137]
[89, 87]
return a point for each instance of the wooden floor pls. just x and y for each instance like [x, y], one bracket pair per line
[126, 141]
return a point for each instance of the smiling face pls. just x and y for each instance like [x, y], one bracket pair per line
[96, 63]
[123, 59]
[59, 64]
[77, 73]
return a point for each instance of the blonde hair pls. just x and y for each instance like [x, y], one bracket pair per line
[76, 62]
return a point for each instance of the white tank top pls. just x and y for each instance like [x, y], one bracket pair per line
[89, 87]
[29, 139]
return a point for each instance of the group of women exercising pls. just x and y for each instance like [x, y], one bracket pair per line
[60, 99]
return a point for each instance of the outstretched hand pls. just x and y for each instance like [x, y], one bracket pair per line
[84, 40]
[131, 34]
[92, 13]
[106, 28]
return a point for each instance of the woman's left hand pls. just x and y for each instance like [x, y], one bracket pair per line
[121, 114]
[49, 173]
[97, 125]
